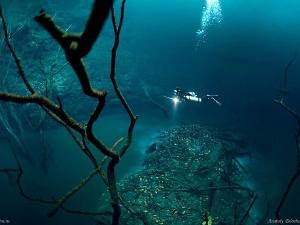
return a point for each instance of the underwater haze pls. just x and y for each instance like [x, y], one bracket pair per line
[230, 158]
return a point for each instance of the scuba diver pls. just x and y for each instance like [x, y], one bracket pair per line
[184, 96]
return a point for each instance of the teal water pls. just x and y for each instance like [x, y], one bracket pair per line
[237, 49]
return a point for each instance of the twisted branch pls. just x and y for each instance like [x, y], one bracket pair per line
[296, 116]
[14, 55]
[58, 203]
[72, 192]
[286, 70]
[76, 46]
[111, 166]
[248, 210]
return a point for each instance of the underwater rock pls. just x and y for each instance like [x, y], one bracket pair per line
[188, 178]
[151, 149]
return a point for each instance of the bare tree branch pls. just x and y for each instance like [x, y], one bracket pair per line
[76, 46]
[248, 210]
[66, 41]
[111, 166]
[58, 203]
[296, 116]
[286, 193]
[12, 51]
[44, 102]
[286, 70]
[69, 194]
[287, 108]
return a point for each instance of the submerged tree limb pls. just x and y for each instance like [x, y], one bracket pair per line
[286, 70]
[286, 193]
[79, 44]
[132, 116]
[140, 215]
[111, 166]
[76, 46]
[44, 102]
[287, 108]
[12, 51]
[297, 140]
[243, 220]
[69, 194]
[74, 56]
[8, 170]
[118, 92]
[114, 195]
[77, 188]
[57, 203]
[55, 111]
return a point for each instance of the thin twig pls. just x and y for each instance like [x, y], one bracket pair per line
[76, 46]
[69, 194]
[8, 170]
[248, 210]
[296, 116]
[15, 57]
[111, 166]
[286, 69]
[286, 193]
[287, 108]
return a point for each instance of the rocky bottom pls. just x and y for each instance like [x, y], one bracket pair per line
[190, 175]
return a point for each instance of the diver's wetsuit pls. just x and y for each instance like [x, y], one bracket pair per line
[186, 96]
[191, 96]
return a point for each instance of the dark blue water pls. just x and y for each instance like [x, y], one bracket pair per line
[241, 57]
